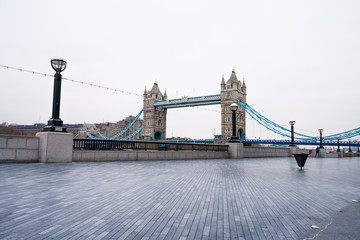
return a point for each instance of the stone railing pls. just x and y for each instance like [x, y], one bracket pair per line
[19, 149]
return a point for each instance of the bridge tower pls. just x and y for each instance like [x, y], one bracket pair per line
[154, 124]
[232, 90]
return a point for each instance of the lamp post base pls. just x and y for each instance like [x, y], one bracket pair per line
[54, 129]
[55, 122]
[54, 125]
[55, 147]
[322, 153]
[236, 150]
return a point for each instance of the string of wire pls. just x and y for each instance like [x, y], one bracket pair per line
[71, 80]
[88, 84]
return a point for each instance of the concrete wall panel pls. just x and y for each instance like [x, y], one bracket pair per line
[143, 156]
[26, 155]
[16, 142]
[3, 141]
[101, 156]
[76, 156]
[32, 143]
[132, 156]
[7, 154]
[87, 156]
[112, 156]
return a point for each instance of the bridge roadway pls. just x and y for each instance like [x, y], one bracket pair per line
[277, 142]
[189, 101]
[298, 142]
[267, 198]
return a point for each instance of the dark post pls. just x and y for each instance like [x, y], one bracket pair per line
[234, 123]
[358, 146]
[292, 143]
[55, 124]
[321, 142]
[338, 143]
[350, 146]
[55, 119]
[233, 108]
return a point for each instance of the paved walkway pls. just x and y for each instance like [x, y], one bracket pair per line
[267, 198]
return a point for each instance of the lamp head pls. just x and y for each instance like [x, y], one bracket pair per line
[292, 122]
[321, 130]
[233, 107]
[58, 64]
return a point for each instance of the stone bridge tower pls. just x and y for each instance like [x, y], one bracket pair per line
[232, 90]
[154, 124]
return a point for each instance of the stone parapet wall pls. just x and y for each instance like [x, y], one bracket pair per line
[258, 152]
[19, 149]
[94, 156]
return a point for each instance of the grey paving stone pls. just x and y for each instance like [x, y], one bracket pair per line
[268, 198]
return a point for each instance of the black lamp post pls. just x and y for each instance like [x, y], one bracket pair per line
[321, 143]
[292, 143]
[233, 108]
[338, 143]
[350, 146]
[358, 146]
[55, 124]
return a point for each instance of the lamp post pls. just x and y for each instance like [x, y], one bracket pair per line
[350, 146]
[233, 108]
[321, 143]
[55, 124]
[358, 145]
[338, 143]
[292, 143]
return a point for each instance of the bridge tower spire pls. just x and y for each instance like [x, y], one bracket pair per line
[154, 124]
[230, 92]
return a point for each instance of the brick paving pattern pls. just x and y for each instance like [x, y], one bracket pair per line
[268, 198]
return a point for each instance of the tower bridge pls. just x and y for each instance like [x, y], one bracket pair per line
[155, 105]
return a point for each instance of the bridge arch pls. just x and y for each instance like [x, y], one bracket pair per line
[157, 135]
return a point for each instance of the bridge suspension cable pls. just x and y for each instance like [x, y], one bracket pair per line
[344, 135]
[133, 134]
[270, 125]
[90, 135]
[120, 133]
[276, 128]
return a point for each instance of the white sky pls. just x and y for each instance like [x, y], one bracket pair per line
[301, 60]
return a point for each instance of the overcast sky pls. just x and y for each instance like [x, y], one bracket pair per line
[300, 60]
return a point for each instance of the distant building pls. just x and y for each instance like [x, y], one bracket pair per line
[115, 129]
[31, 130]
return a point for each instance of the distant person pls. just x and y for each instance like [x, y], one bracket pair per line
[317, 151]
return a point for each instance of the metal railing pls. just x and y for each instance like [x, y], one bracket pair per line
[102, 144]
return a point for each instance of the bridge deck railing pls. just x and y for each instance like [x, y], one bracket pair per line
[97, 144]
